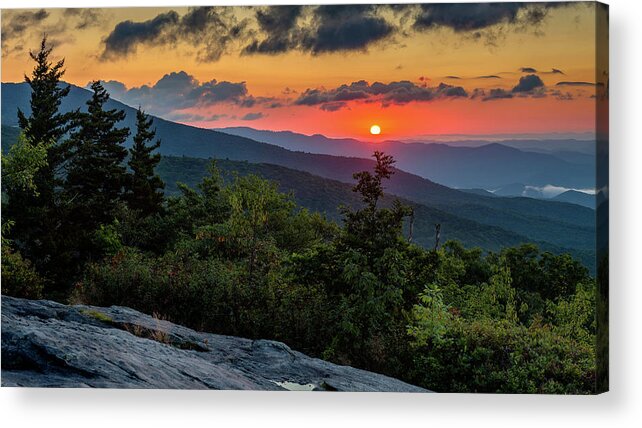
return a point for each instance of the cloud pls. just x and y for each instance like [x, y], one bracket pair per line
[17, 25]
[399, 93]
[334, 106]
[562, 96]
[528, 86]
[528, 83]
[578, 84]
[278, 24]
[210, 30]
[490, 76]
[342, 28]
[466, 17]
[253, 116]
[483, 21]
[492, 94]
[21, 28]
[180, 91]
[213, 31]
[127, 35]
[84, 18]
[318, 29]
[533, 70]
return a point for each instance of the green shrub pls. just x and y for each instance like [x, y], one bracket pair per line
[498, 356]
[19, 278]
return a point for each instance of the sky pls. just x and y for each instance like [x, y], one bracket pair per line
[432, 69]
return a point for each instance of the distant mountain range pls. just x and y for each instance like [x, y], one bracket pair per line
[572, 196]
[555, 146]
[490, 165]
[575, 197]
[560, 226]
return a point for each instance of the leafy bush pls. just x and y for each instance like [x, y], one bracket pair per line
[19, 278]
[499, 356]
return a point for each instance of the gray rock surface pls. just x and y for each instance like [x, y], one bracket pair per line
[47, 344]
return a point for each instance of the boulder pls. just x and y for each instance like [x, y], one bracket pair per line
[48, 344]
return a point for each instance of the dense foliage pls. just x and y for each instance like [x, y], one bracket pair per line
[237, 256]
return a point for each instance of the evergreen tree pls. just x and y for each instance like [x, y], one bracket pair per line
[145, 187]
[46, 123]
[96, 174]
[38, 215]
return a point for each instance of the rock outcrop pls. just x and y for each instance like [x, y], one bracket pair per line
[47, 344]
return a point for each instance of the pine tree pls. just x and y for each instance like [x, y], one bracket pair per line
[96, 174]
[145, 189]
[38, 215]
[46, 123]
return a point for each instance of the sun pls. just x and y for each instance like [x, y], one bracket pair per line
[375, 130]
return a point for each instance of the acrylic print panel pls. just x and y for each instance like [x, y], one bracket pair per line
[403, 198]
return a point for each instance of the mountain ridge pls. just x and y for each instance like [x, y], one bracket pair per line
[489, 165]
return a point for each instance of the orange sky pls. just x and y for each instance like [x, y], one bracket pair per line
[564, 40]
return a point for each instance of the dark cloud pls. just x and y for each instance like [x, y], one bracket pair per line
[578, 84]
[533, 70]
[318, 29]
[212, 31]
[483, 21]
[127, 35]
[493, 94]
[343, 28]
[400, 93]
[334, 106]
[179, 91]
[253, 116]
[528, 84]
[483, 77]
[466, 16]
[208, 29]
[562, 96]
[278, 24]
